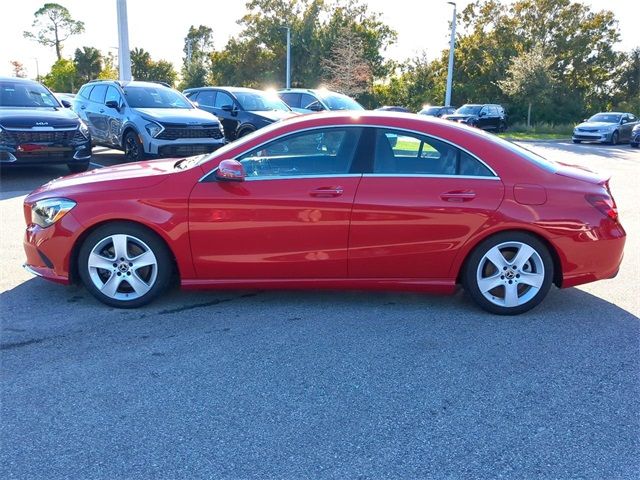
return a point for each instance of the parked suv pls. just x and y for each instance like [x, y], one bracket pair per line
[145, 118]
[606, 127]
[35, 129]
[241, 110]
[303, 100]
[486, 117]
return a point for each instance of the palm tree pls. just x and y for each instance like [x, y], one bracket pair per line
[88, 62]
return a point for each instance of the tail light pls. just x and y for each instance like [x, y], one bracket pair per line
[604, 204]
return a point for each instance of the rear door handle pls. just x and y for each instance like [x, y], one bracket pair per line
[458, 196]
[83, 107]
[101, 110]
[327, 192]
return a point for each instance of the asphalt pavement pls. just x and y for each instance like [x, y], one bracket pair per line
[320, 384]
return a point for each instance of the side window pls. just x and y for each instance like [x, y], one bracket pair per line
[327, 151]
[206, 98]
[404, 153]
[306, 100]
[98, 93]
[632, 118]
[222, 99]
[484, 110]
[85, 91]
[113, 94]
[291, 99]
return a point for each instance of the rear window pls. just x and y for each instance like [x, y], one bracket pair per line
[527, 154]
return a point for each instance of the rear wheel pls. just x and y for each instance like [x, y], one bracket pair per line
[635, 145]
[577, 141]
[245, 131]
[124, 265]
[78, 167]
[133, 149]
[509, 273]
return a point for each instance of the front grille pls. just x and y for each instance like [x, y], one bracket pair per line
[185, 150]
[586, 137]
[589, 130]
[48, 136]
[175, 133]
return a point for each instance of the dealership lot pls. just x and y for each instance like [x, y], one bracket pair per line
[251, 384]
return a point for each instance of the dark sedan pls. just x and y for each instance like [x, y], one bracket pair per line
[35, 129]
[240, 110]
[436, 111]
[486, 117]
[606, 127]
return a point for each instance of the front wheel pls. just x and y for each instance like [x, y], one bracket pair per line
[133, 149]
[577, 141]
[614, 138]
[634, 145]
[509, 273]
[78, 167]
[124, 265]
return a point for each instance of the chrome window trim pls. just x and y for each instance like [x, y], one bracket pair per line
[294, 177]
[428, 175]
[350, 125]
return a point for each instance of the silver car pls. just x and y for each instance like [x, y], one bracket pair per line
[146, 119]
[306, 100]
[606, 127]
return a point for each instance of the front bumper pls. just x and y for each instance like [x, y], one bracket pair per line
[42, 154]
[181, 147]
[592, 136]
[635, 138]
[48, 250]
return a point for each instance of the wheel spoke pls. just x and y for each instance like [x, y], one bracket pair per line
[495, 256]
[138, 284]
[511, 295]
[489, 283]
[120, 246]
[98, 261]
[533, 279]
[110, 287]
[143, 260]
[523, 255]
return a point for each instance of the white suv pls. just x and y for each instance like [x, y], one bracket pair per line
[146, 119]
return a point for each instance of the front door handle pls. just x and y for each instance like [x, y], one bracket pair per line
[327, 192]
[458, 196]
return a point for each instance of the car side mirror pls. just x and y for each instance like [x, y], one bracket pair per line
[113, 104]
[584, 120]
[227, 108]
[483, 114]
[315, 107]
[65, 103]
[194, 103]
[231, 170]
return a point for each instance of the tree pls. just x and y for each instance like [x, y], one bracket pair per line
[530, 77]
[346, 69]
[140, 63]
[198, 45]
[54, 25]
[18, 69]
[62, 76]
[88, 62]
[143, 67]
[109, 71]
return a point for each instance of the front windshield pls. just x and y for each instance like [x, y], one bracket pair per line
[430, 111]
[155, 97]
[260, 102]
[605, 118]
[469, 109]
[335, 101]
[26, 95]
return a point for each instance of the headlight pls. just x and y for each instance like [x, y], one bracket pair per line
[84, 130]
[153, 128]
[49, 211]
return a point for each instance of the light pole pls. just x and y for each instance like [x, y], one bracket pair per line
[288, 79]
[124, 57]
[37, 69]
[452, 45]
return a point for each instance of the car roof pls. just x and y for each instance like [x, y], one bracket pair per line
[228, 89]
[127, 83]
[18, 79]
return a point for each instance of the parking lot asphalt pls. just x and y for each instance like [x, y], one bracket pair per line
[296, 385]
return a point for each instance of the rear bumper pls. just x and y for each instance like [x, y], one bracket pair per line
[594, 254]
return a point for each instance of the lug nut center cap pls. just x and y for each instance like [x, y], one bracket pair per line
[123, 267]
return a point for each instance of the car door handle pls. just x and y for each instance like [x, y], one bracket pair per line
[83, 107]
[327, 192]
[458, 196]
[101, 110]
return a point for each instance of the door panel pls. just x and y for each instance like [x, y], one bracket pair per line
[412, 227]
[272, 228]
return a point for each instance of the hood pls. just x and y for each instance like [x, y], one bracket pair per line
[38, 117]
[128, 176]
[273, 115]
[179, 116]
[579, 172]
[596, 125]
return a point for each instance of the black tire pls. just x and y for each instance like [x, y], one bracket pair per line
[477, 263]
[133, 149]
[614, 138]
[577, 141]
[245, 131]
[78, 167]
[157, 277]
[634, 145]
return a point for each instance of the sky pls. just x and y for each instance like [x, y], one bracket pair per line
[159, 27]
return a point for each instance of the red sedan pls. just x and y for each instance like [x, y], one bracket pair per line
[368, 200]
